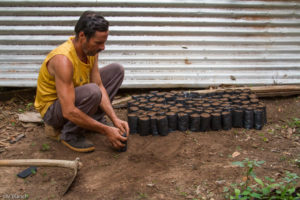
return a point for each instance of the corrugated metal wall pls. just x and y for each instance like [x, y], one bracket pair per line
[163, 43]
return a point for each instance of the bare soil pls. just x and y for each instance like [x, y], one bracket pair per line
[182, 165]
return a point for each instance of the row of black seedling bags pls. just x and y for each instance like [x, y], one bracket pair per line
[156, 124]
[159, 113]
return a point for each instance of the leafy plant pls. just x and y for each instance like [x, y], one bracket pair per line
[33, 171]
[253, 187]
[45, 147]
[142, 195]
[295, 123]
[29, 105]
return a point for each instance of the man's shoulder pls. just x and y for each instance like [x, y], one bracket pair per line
[64, 48]
[62, 52]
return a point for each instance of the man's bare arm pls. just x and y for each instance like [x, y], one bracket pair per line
[105, 102]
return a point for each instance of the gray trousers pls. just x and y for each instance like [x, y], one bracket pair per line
[87, 99]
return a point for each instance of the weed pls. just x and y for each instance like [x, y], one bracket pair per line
[27, 108]
[29, 105]
[45, 147]
[282, 158]
[297, 162]
[33, 171]
[142, 195]
[284, 127]
[116, 156]
[295, 123]
[183, 194]
[261, 134]
[256, 188]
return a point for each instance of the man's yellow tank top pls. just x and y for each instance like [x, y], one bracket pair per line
[46, 91]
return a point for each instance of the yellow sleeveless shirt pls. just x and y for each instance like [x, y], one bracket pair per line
[46, 91]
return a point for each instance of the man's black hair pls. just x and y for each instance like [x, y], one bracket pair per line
[90, 22]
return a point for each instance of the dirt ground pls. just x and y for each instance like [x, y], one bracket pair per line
[191, 165]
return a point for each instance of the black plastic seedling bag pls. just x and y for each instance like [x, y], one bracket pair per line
[216, 121]
[133, 123]
[237, 118]
[194, 122]
[264, 109]
[162, 125]
[205, 122]
[172, 121]
[248, 119]
[226, 120]
[258, 119]
[153, 125]
[144, 125]
[183, 122]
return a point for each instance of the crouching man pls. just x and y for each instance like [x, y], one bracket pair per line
[73, 94]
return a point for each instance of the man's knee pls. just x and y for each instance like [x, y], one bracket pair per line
[94, 93]
[119, 69]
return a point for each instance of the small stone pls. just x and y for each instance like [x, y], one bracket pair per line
[220, 182]
[150, 185]
[275, 150]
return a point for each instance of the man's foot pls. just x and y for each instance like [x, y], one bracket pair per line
[52, 133]
[80, 145]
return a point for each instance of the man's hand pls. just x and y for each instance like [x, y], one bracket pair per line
[122, 125]
[115, 137]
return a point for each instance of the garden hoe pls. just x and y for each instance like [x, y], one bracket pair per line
[75, 165]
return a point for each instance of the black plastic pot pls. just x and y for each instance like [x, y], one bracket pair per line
[258, 119]
[153, 125]
[133, 109]
[172, 121]
[194, 124]
[216, 121]
[133, 123]
[205, 122]
[162, 125]
[248, 118]
[263, 107]
[123, 149]
[144, 125]
[182, 121]
[237, 118]
[226, 120]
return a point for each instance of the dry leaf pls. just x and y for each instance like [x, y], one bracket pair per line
[235, 154]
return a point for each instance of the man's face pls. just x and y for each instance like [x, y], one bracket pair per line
[95, 44]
